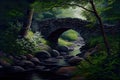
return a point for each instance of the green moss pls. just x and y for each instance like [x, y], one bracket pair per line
[70, 35]
[30, 34]
[65, 43]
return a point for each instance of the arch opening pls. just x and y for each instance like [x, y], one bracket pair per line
[67, 37]
[53, 37]
[73, 40]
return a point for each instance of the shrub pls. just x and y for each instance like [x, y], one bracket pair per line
[8, 38]
[103, 67]
[31, 44]
[9, 42]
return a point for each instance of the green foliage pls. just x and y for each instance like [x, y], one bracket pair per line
[47, 14]
[70, 35]
[112, 14]
[95, 40]
[8, 38]
[31, 44]
[37, 38]
[114, 43]
[107, 9]
[24, 46]
[10, 44]
[103, 67]
[12, 11]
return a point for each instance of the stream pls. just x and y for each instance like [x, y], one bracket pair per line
[77, 45]
[46, 69]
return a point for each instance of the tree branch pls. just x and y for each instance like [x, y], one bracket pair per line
[75, 5]
[81, 7]
[101, 27]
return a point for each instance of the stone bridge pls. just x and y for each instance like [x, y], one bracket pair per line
[51, 29]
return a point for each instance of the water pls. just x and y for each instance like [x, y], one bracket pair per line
[75, 51]
[77, 45]
[36, 77]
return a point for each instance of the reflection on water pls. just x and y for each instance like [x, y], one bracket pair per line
[62, 62]
[36, 77]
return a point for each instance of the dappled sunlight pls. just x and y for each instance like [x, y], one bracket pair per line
[71, 12]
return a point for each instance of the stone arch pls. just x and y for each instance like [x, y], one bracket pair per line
[51, 29]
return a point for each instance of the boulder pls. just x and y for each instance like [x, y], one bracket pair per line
[63, 53]
[35, 60]
[1, 66]
[17, 69]
[55, 53]
[59, 57]
[29, 56]
[10, 69]
[17, 57]
[23, 57]
[39, 67]
[51, 60]
[81, 54]
[78, 44]
[71, 49]
[84, 48]
[16, 62]
[46, 70]
[68, 57]
[4, 63]
[75, 60]
[63, 48]
[26, 63]
[11, 57]
[42, 55]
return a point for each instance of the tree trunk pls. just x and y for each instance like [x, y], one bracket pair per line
[27, 23]
[101, 27]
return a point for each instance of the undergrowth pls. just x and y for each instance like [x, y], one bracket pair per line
[103, 67]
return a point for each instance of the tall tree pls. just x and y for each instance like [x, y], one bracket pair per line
[27, 19]
[27, 23]
[13, 11]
